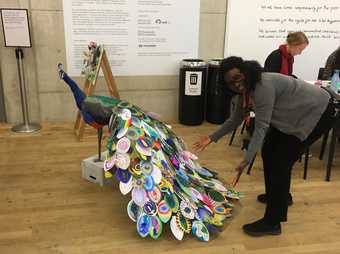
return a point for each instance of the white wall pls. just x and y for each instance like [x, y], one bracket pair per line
[50, 100]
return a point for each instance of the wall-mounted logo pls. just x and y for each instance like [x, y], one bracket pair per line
[162, 22]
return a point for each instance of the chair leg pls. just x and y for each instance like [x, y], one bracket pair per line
[232, 137]
[251, 165]
[330, 155]
[323, 145]
[305, 168]
[243, 126]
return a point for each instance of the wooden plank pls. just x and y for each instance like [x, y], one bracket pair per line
[110, 81]
[79, 117]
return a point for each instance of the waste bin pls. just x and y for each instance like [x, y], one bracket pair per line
[218, 102]
[192, 83]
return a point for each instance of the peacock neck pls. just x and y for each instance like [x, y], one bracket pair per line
[78, 94]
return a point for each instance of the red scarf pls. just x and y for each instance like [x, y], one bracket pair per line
[248, 105]
[286, 61]
[247, 101]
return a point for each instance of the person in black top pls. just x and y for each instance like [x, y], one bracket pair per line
[332, 63]
[281, 60]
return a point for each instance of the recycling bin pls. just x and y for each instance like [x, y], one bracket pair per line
[192, 84]
[217, 101]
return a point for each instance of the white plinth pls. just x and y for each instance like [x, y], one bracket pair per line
[93, 171]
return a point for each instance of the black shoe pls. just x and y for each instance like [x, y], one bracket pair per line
[60, 69]
[262, 198]
[261, 228]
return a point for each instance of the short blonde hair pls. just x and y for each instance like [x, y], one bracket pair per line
[297, 38]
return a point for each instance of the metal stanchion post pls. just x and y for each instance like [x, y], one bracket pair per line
[26, 126]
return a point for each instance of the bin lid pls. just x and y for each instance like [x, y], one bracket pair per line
[215, 62]
[193, 63]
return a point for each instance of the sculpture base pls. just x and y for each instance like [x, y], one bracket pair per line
[93, 170]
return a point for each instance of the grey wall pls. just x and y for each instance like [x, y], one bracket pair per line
[50, 100]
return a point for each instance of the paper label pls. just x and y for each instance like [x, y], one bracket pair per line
[193, 83]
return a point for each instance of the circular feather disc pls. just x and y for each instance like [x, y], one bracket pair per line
[123, 175]
[133, 133]
[216, 196]
[143, 225]
[186, 210]
[200, 231]
[148, 183]
[156, 227]
[156, 174]
[123, 145]
[125, 188]
[139, 196]
[150, 208]
[108, 164]
[121, 133]
[183, 223]
[133, 210]
[136, 122]
[122, 160]
[172, 201]
[222, 210]
[143, 151]
[204, 172]
[155, 194]
[164, 211]
[125, 114]
[176, 231]
[196, 194]
[146, 167]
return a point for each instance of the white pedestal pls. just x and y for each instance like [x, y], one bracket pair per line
[94, 171]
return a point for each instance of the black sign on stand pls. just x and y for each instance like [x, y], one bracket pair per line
[15, 26]
[17, 34]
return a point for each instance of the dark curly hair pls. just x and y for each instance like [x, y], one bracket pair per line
[252, 71]
[336, 64]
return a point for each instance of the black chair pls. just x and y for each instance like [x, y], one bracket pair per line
[335, 130]
[320, 74]
[234, 132]
[334, 137]
[305, 166]
[325, 137]
[231, 142]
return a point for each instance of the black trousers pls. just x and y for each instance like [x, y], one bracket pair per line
[279, 153]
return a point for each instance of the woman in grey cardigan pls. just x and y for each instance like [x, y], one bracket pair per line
[290, 115]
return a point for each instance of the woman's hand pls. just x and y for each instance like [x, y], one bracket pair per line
[239, 169]
[202, 144]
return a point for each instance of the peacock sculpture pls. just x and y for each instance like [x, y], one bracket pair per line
[154, 167]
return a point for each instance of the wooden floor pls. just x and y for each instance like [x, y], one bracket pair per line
[46, 207]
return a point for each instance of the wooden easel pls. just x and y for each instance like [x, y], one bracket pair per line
[89, 86]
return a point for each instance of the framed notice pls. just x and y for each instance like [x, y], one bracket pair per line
[15, 26]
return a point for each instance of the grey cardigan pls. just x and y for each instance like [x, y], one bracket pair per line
[288, 104]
